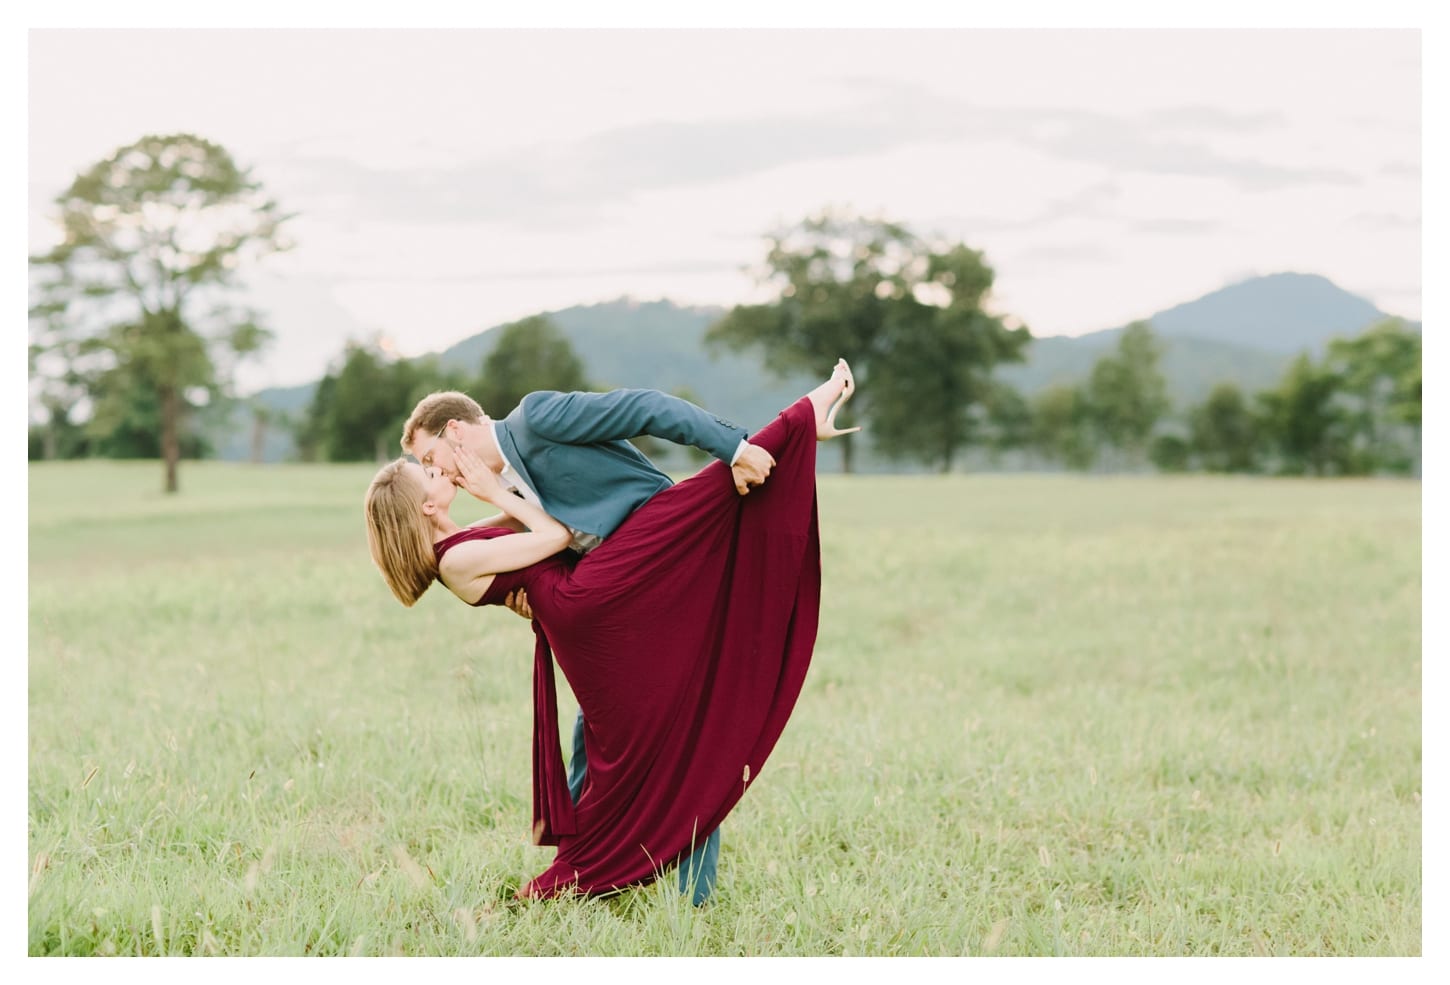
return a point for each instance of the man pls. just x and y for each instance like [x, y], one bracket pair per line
[569, 453]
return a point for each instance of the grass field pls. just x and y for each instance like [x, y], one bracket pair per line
[1047, 715]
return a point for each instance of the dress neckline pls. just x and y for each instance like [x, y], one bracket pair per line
[457, 533]
[460, 534]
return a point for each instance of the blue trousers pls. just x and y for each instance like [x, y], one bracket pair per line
[697, 873]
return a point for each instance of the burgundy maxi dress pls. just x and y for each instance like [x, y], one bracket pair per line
[686, 637]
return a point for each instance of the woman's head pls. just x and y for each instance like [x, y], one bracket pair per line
[401, 507]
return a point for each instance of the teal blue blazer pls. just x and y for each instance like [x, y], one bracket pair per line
[573, 449]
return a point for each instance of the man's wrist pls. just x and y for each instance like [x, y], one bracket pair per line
[739, 450]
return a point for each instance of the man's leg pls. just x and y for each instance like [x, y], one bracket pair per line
[578, 765]
[697, 873]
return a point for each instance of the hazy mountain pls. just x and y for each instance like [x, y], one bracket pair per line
[1245, 333]
[1283, 313]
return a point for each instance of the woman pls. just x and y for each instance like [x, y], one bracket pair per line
[690, 628]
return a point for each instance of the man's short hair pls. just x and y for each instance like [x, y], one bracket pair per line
[435, 411]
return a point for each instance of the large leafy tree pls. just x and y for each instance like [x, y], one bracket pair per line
[933, 388]
[832, 276]
[530, 355]
[137, 297]
[907, 314]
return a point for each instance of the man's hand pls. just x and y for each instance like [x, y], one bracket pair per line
[518, 601]
[752, 468]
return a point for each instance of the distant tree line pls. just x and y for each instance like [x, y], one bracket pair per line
[1355, 411]
[135, 339]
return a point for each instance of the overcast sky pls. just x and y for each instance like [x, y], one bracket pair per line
[447, 181]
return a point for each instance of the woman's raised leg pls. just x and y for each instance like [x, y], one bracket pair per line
[828, 398]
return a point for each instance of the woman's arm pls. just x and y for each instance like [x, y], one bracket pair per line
[469, 568]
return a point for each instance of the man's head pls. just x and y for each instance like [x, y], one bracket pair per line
[440, 422]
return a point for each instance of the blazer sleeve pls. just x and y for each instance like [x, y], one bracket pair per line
[590, 418]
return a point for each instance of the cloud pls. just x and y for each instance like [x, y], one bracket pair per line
[1086, 203]
[1133, 145]
[570, 183]
[1066, 253]
[1382, 220]
[562, 272]
[1211, 118]
[567, 182]
[1176, 227]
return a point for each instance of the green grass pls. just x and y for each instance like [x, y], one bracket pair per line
[1047, 715]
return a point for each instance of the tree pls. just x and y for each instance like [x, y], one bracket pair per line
[1223, 431]
[266, 421]
[310, 430]
[530, 355]
[59, 389]
[135, 297]
[832, 275]
[127, 422]
[1169, 453]
[1378, 374]
[365, 406]
[360, 410]
[907, 316]
[1009, 419]
[360, 404]
[1303, 425]
[1062, 426]
[59, 437]
[933, 384]
[1127, 393]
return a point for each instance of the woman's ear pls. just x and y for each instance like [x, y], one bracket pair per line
[429, 507]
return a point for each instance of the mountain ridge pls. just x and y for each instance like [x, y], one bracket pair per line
[1246, 333]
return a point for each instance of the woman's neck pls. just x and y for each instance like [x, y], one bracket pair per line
[443, 526]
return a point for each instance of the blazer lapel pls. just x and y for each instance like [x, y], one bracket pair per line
[509, 449]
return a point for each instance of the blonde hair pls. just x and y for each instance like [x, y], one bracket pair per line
[436, 410]
[399, 535]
